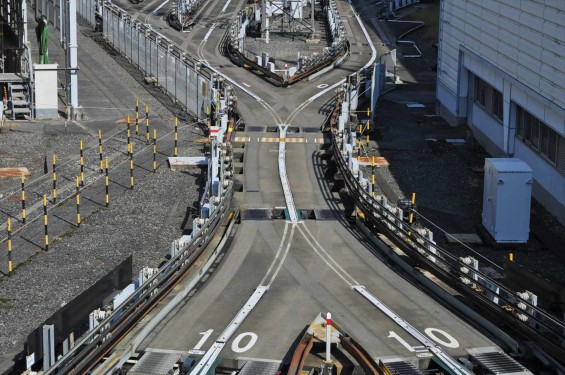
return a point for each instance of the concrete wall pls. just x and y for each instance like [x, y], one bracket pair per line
[517, 47]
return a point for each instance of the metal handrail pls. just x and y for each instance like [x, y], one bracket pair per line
[372, 206]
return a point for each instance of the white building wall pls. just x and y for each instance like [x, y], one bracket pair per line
[517, 47]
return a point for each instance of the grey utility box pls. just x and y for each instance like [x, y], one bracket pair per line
[507, 199]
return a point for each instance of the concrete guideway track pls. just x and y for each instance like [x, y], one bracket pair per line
[293, 270]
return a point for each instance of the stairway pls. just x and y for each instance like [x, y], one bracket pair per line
[19, 106]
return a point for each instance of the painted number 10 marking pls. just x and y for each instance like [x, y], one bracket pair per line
[446, 340]
[236, 344]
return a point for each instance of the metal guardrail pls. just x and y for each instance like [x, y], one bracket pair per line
[201, 92]
[97, 341]
[518, 312]
[339, 48]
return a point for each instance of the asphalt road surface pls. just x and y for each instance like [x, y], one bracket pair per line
[308, 267]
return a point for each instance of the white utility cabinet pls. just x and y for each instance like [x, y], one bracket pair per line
[507, 199]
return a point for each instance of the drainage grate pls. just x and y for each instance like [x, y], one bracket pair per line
[259, 368]
[402, 368]
[256, 128]
[256, 214]
[500, 363]
[155, 363]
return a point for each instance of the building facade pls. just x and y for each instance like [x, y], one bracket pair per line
[501, 70]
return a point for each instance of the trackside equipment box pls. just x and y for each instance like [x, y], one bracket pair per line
[507, 199]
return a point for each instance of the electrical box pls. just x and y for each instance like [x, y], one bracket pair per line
[507, 199]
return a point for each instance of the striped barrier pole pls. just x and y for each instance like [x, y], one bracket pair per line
[136, 116]
[147, 122]
[100, 150]
[23, 199]
[54, 179]
[107, 185]
[9, 247]
[45, 222]
[78, 203]
[175, 151]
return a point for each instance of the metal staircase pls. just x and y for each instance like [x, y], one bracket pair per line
[19, 103]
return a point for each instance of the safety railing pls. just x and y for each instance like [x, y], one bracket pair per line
[204, 94]
[463, 272]
[338, 49]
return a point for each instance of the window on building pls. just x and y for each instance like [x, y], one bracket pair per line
[496, 103]
[480, 92]
[489, 98]
[541, 138]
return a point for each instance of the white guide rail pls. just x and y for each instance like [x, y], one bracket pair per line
[431, 346]
[283, 176]
[208, 360]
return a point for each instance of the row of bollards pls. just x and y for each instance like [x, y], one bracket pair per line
[80, 179]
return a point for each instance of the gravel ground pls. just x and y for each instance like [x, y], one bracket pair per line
[78, 257]
[448, 182]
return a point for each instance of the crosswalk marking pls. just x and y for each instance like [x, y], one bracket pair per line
[286, 140]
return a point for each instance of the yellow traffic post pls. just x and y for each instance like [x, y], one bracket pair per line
[373, 175]
[45, 222]
[358, 149]
[136, 116]
[510, 256]
[9, 247]
[368, 132]
[154, 150]
[411, 217]
[175, 152]
[147, 122]
[54, 179]
[131, 166]
[129, 134]
[107, 185]
[81, 165]
[23, 198]
[100, 150]
[78, 203]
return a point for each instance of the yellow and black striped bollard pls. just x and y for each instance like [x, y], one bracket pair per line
[54, 179]
[107, 185]
[45, 222]
[411, 217]
[154, 150]
[131, 166]
[100, 150]
[23, 198]
[81, 164]
[368, 132]
[147, 136]
[78, 203]
[373, 175]
[9, 247]
[129, 135]
[136, 116]
[175, 151]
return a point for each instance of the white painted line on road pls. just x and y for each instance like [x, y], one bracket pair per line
[246, 84]
[159, 7]
[215, 23]
[225, 6]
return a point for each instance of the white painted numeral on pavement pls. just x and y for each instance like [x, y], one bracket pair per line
[203, 339]
[449, 341]
[394, 335]
[322, 86]
[235, 344]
